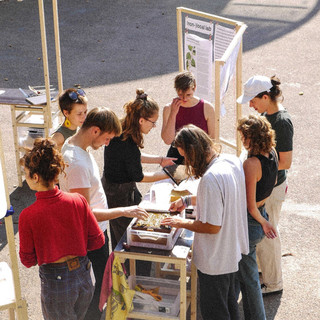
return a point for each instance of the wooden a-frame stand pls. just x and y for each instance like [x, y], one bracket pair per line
[239, 28]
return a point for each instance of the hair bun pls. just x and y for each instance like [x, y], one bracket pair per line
[275, 81]
[141, 94]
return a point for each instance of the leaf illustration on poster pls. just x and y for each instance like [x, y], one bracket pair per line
[190, 57]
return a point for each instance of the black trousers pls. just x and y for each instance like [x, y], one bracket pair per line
[99, 260]
[217, 297]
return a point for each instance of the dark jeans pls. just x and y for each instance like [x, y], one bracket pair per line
[248, 274]
[65, 294]
[217, 297]
[99, 260]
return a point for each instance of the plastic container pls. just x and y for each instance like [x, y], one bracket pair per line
[152, 239]
[28, 135]
[169, 290]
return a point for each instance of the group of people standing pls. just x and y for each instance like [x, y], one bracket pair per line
[64, 231]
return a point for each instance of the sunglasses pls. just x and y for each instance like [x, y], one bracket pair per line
[74, 95]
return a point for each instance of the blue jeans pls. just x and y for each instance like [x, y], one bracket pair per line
[65, 294]
[248, 274]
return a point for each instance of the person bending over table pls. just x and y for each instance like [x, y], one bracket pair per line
[261, 169]
[122, 160]
[186, 109]
[221, 228]
[55, 232]
[73, 105]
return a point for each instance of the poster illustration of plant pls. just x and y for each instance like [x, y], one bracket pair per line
[190, 57]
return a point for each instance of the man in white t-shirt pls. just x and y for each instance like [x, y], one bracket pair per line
[221, 229]
[82, 176]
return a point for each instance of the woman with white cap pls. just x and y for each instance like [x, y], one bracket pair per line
[264, 95]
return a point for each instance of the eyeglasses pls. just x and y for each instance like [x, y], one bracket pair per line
[154, 123]
[74, 95]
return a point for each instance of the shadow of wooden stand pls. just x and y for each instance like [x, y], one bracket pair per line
[10, 289]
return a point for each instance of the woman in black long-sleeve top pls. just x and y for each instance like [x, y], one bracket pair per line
[122, 160]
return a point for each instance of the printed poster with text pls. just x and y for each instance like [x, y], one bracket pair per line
[198, 60]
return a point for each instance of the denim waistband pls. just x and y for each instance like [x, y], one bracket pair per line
[62, 265]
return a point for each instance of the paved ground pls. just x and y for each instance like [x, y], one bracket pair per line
[113, 47]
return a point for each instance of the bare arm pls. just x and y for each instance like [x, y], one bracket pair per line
[170, 112]
[154, 176]
[253, 173]
[59, 139]
[285, 160]
[163, 161]
[108, 214]
[193, 225]
[209, 114]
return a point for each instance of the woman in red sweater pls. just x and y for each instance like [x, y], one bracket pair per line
[56, 232]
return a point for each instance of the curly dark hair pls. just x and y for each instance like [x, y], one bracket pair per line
[258, 131]
[44, 159]
[142, 107]
[197, 147]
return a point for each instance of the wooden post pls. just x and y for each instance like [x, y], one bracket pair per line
[238, 93]
[57, 44]
[217, 67]
[180, 42]
[47, 110]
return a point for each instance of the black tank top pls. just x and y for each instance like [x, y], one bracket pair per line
[269, 175]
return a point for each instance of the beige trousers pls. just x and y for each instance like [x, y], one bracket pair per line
[269, 250]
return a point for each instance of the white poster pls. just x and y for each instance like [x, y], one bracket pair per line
[222, 38]
[198, 60]
[199, 26]
[227, 72]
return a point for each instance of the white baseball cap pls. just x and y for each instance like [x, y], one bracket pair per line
[253, 87]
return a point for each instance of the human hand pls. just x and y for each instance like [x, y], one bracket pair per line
[269, 230]
[166, 161]
[175, 106]
[172, 222]
[177, 206]
[135, 212]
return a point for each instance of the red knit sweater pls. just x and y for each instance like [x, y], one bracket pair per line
[56, 225]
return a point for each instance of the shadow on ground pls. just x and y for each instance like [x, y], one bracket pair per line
[105, 42]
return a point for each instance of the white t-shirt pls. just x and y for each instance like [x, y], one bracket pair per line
[83, 172]
[221, 201]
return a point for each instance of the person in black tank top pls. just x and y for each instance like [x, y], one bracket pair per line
[260, 168]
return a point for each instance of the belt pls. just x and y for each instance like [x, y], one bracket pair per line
[72, 264]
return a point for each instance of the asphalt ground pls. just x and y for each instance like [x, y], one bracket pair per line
[111, 48]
